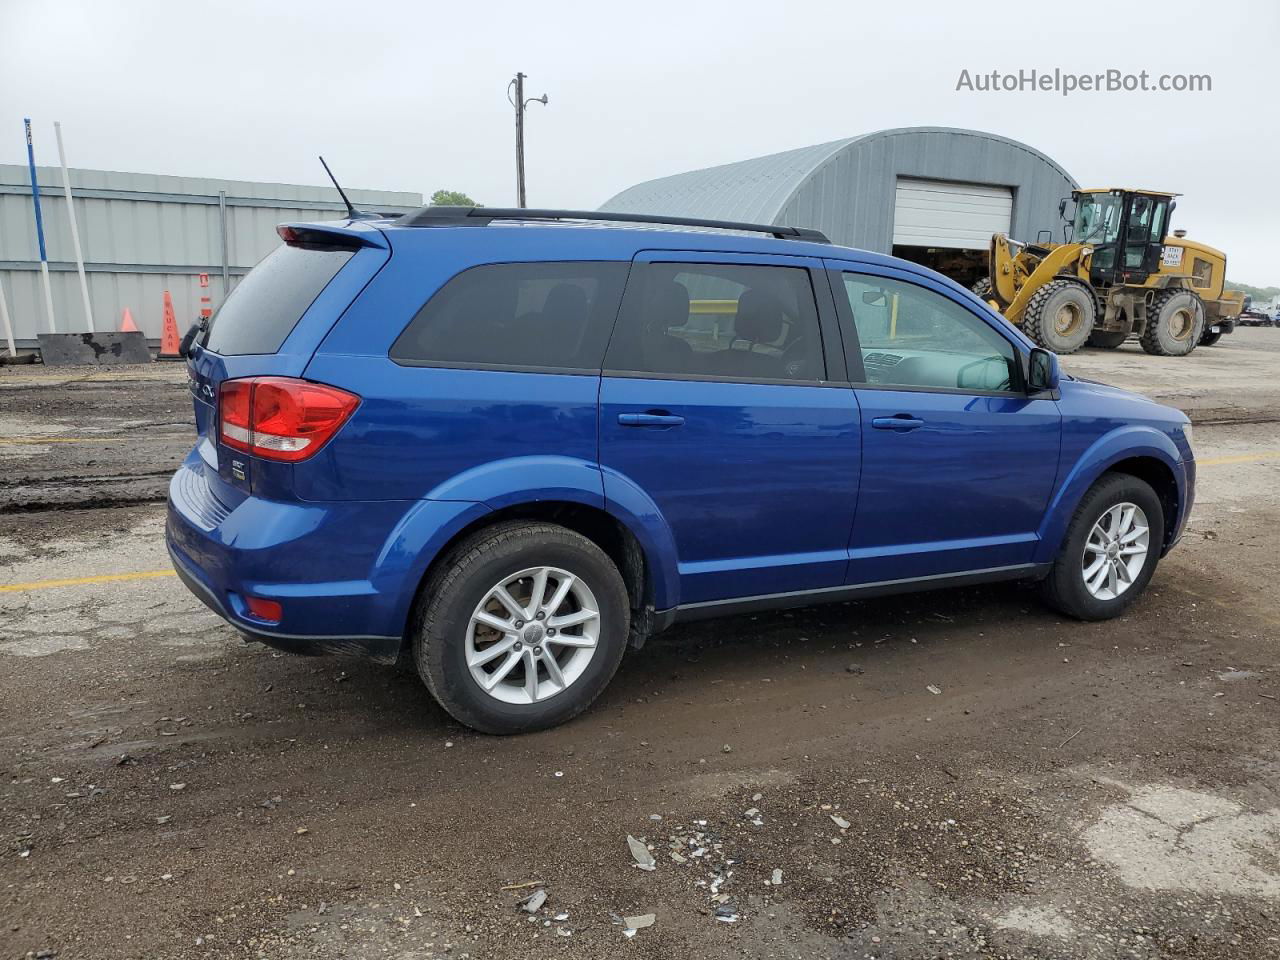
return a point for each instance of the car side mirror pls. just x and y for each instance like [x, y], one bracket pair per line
[1042, 371]
[873, 297]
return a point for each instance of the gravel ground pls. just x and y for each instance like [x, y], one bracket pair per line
[1072, 790]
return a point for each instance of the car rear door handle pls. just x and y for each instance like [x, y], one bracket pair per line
[901, 422]
[649, 420]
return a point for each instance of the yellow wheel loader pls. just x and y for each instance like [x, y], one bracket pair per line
[1116, 275]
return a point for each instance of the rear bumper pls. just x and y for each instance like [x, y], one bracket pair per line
[382, 649]
[345, 573]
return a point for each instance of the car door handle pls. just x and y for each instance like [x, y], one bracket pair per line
[902, 422]
[649, 420]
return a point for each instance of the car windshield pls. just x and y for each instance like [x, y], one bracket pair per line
[1097, 217]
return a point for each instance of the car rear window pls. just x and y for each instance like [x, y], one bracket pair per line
[545, 316]
[269, 302]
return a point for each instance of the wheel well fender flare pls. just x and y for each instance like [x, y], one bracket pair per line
[431, 524]
[1129, 443]
[501, 483]
[500, 489]
[636, 510]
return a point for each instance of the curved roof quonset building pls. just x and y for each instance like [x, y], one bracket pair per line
[930, 194]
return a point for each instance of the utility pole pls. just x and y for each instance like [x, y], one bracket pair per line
[520, 103]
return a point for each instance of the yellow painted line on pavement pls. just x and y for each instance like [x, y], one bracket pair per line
[1240, 458]
[81, 581]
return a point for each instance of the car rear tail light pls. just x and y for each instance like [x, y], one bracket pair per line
[260, 609]
[281, 418]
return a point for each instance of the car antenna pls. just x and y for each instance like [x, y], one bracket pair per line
[352, 212]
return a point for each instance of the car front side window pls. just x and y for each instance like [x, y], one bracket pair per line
[910, 336]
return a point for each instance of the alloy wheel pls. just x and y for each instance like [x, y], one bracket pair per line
[1115, 551]
[534, 634]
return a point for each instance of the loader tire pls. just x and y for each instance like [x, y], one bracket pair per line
[1059, 316]
[1209, 337]
[1107, 339]
[983, 288]
[1175, 323]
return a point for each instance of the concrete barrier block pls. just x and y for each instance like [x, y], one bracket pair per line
[75, 349]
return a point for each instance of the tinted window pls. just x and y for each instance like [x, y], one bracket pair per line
[731, 321]
[548, 315]
[269, 302]
[912, 337]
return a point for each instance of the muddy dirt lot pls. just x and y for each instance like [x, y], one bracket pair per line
[1103, 790]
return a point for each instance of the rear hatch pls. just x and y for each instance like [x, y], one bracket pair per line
[270, 326]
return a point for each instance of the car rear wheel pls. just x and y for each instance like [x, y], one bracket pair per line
[521, 628]
[1110, 550]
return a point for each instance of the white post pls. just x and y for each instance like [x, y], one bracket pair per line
[75, 231]
[48, 295]
[8, 327]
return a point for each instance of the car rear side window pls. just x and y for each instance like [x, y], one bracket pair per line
[543, 316]
[719, 321]
[268, 303]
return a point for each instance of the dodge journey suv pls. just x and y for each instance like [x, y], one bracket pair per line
[503, 445]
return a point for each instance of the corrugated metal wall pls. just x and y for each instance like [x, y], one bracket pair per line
[142, 234]
[847, 188]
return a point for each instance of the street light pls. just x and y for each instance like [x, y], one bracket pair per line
[519, 102]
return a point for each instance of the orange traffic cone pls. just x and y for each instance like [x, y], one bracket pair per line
[169, 337]
[126, 323]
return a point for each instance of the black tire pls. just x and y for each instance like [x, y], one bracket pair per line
[983, 288]
[463, 580]
[1175, 323]
[1107, 339]
[1059, 316]
[1210, 337]
[1064, 588]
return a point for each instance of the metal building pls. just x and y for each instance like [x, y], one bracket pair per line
[142, 234]
[934, 195]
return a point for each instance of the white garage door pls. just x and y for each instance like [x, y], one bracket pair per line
[932, 213]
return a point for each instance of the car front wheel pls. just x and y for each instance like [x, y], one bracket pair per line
[521, 628]
[1110, 549]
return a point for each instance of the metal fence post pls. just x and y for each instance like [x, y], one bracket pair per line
[222, 226]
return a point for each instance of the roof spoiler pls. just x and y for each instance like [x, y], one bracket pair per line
[320, 236]
[446, 216]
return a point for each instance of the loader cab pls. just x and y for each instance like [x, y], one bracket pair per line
[1125, 228]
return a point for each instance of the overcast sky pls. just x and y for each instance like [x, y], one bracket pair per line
[412, 96]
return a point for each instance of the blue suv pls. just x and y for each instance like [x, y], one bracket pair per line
[504, 445]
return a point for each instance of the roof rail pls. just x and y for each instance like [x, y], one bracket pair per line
[446, 216]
